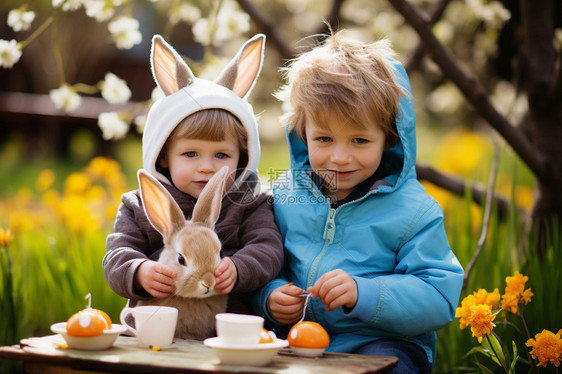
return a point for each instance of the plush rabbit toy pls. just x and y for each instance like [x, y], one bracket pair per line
[192, 249]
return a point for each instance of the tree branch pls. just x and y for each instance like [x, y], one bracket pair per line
[487, 214]
[415, 57]
[540, 57]
[474, 93]
[458, 187]
[267, 27]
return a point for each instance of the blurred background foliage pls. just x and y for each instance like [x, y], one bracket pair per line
[62, 175]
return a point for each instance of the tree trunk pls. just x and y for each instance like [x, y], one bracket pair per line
[541, 79]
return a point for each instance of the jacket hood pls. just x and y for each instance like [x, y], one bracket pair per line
[398, 160]
[166, 113]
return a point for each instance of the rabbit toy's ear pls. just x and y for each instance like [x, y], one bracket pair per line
[242, 71]
[168, 68]
[161, 209]
[208, 206]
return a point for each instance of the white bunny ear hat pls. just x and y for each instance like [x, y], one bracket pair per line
[187, 94]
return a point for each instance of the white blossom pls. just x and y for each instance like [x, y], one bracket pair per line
[65, 98]
[115, 90]
[202, 31]
[184, 13]
[112, 126]
[100, 10]
[125, 32]
[230, 22]
[20, 20]
[140, 122]
[157, 93]
[10, 53]
[67, 5]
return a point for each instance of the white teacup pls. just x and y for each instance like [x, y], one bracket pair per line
[238, 328]
[154, 325]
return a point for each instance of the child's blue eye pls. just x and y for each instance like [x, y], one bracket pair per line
[221, 155]
[360, 140]
[324, 139]
[190, 154]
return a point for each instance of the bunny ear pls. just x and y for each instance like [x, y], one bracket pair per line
[208, 206]
[161, 209]
[168, 68]
[242, 71]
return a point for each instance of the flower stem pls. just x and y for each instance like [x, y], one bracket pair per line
[86, 88]
[498, 357]
[58, 56]
[520, 314]
[524, 323]
[37, 32]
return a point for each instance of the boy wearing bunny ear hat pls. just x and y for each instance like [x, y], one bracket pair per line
[199, 127]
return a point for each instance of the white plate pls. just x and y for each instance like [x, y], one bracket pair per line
[90, 343]
[245, 354]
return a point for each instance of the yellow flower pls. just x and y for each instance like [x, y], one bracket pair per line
[76, 184]
[477, 298]
[547, 347]
[526, 295]
[481, 321]
[45, 180]
[6, 237]
[461, 152]
[515, 292]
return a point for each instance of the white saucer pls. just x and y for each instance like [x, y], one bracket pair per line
[245, 354]
[90, 343]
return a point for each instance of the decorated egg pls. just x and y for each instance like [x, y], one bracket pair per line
[88, 322]
[308, 338]
[266, 337]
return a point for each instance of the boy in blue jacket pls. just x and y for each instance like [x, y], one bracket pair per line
[361, 235]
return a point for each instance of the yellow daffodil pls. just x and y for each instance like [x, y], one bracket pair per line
[546, 347]
[481, 321]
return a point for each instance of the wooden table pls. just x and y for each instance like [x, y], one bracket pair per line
[46, 355]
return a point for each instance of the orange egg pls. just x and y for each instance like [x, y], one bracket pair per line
[308, 334]
[88, 322]
[265, 337]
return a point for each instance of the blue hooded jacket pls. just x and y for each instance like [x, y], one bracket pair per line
[391, 241]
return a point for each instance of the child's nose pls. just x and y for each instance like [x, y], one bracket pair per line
[340, 155]
[206, 166]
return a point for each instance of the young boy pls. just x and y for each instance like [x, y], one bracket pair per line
[361, 235]
[190, 134]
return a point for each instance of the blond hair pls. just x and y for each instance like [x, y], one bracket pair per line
[213, 125]
[346, 79]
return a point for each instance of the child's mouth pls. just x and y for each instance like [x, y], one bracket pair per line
[342, 174]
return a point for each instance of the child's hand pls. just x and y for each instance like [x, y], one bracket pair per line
[226, 276]
[156, 279]
[335, 288]
[285, 304]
